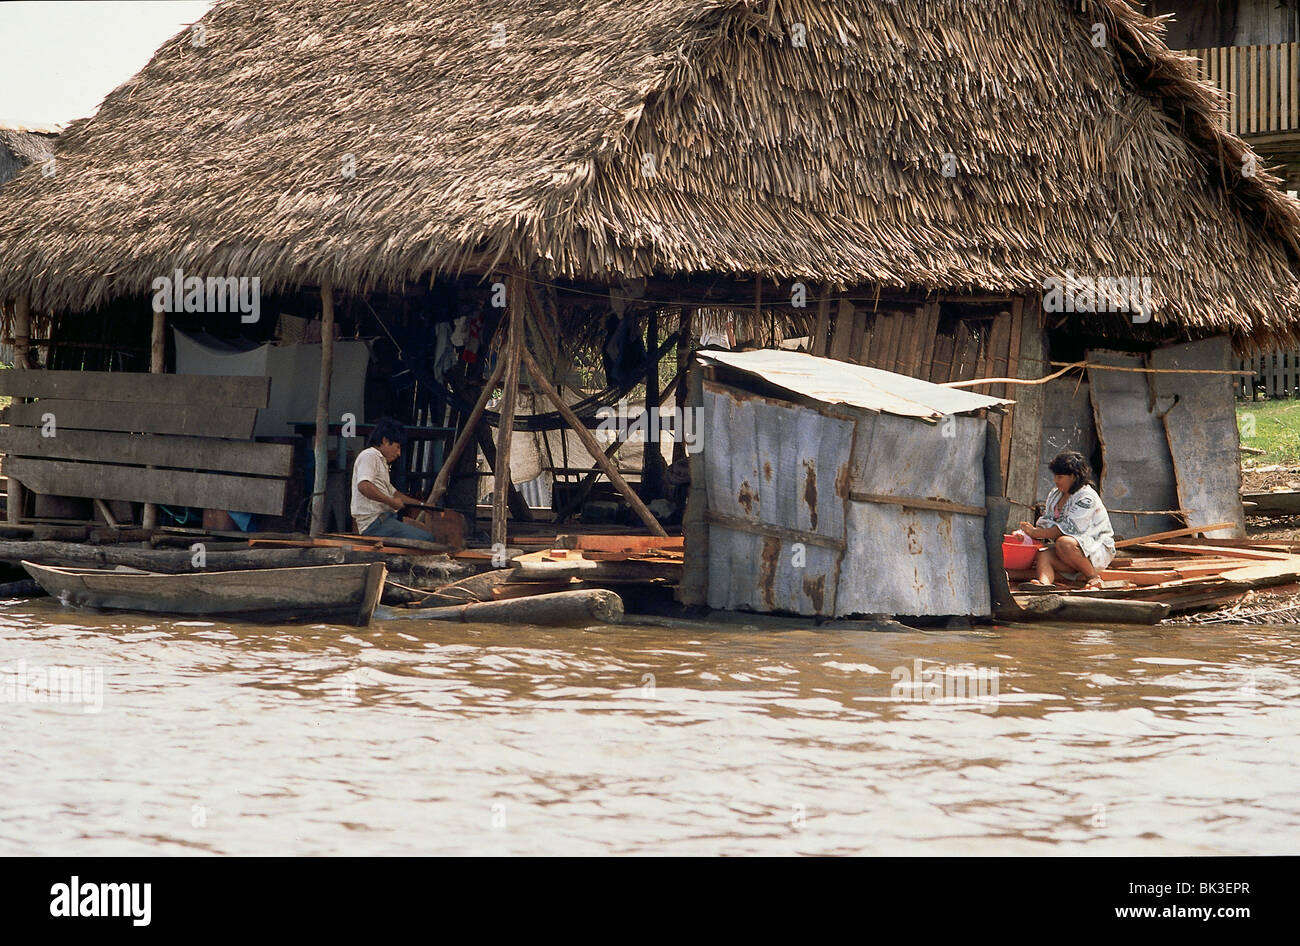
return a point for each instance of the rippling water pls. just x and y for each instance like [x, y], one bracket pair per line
[411, 737]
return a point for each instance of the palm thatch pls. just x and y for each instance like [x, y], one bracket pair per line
[19, 148]
[607, 139]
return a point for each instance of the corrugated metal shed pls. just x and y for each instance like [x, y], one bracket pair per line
[846, 499]
[777, 479]
[839, 382]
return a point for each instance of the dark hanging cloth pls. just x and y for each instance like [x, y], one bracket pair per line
[623, 353]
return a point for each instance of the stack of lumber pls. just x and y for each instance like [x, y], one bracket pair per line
[1190, 574]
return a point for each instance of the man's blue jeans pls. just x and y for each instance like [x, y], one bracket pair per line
[390, 525]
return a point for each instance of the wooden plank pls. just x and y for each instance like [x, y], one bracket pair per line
[941, 360]
[137, 484]
[231, 423]
[843, 335]
[1137, 469]
[190, 453]
[868, 333]
[1200, 425]
[940, 505]
[135, 388]
[1025, 429]
[930, 332]
[1012, 366]
[855, 340]
[823, 325]
[1226, 551]
[885, 342]
[1160, 536]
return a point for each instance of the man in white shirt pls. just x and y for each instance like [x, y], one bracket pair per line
[376, 505]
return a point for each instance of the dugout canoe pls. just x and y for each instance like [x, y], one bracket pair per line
[337, 593]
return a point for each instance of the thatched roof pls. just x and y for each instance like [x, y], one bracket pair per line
[495, 131]
[20, 147]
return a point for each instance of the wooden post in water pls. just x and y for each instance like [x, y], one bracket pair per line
[22, 345]
[505, 430]
[321, 443]
[157, 353]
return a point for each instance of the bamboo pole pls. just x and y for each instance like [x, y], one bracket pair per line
[157, 356]
[22, 345]
[467, 434]
[506, 428]
[321, 443]
[592, 446]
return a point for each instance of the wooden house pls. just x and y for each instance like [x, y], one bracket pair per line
[945, 190]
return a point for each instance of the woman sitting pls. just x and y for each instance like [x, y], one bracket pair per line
[1076, 522]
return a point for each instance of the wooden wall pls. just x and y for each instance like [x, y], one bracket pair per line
[1200, 23]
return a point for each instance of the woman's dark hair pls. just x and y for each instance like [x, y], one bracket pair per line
[387, 429]
[1072, 463]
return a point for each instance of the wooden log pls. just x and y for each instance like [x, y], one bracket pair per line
[184, 453]
[140, 484]
[320, 444]
[162, 560]
[561, 609]
[592, 447]
[1081, 609]
[137, 388]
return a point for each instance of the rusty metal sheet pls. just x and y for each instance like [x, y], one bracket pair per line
[916, 561]
[1067, 425]
[1201, 426]
[1137, 471]
[838, 382]
[784, 468]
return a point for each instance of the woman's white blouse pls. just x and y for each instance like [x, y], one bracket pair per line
[1084, 518]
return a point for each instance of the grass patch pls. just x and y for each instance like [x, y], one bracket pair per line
[1271, 426]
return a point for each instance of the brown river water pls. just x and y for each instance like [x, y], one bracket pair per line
[412, 737]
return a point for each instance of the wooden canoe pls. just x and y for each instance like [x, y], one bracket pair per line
[337, 593]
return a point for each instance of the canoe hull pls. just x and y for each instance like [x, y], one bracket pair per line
[338, 593]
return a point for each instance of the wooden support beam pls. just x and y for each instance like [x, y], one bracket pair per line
[467, 434]
[505, 430]
[652, 458]
[22, 345]
[591, 445]
[320, 445]
[157, 353]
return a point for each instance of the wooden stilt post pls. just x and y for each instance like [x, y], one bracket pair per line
[652, 458]
[157, 356]
[321, 443]
[467, 433]
[589, 442]
[685, 342]
[22, 344]
[505, 430]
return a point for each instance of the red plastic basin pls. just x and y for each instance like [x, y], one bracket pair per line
[1017, 555]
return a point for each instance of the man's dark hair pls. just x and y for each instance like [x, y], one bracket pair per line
[1072, 463]
[387, 429]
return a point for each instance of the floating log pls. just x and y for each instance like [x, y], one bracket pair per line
[564, 608]
[1080, 608]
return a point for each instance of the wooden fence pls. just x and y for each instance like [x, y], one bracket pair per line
[1262, 82]
[1276, 375]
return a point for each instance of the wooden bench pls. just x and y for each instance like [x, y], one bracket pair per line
[180, 440]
